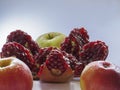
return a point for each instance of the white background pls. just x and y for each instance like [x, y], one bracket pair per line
[101, 18]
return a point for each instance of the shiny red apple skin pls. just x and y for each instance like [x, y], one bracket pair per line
[100, 75]
[15, 75]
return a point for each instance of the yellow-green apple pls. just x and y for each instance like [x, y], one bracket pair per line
[15, 75]
[53, 39]
[100, 75]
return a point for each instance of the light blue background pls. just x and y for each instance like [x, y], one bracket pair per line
[101, 18]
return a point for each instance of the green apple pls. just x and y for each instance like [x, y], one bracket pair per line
[53, 39]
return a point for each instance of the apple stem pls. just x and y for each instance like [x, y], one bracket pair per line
[50, 36]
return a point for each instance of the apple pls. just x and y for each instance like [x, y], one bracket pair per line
[53, 39]
[15, 75]
[100, 75]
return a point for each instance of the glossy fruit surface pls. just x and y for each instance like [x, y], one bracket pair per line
[15, 75]
[100, 75]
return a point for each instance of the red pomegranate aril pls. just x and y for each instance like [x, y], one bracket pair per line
[74, 42]
[92, 51]
[19, 51]
[80, 35]
[56, 63]
[19, 36]
[41, 56]
[24, 39]
[78, 69]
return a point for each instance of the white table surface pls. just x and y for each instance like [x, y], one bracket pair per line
[72, 85]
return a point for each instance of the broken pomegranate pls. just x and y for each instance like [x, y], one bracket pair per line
[74, 42]
[55, 68]
[78, 44]
[40, 58]
[17, 50]
[93, 51]
[24, 39]
[78, 69]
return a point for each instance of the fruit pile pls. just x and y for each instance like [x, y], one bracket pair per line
[84, 50]
[55, 64]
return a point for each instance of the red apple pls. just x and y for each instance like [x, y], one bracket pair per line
[14, 75]
[100, 75]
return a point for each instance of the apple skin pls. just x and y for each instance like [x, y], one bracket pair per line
[53, 39]
[15, 75]
[100, 75]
